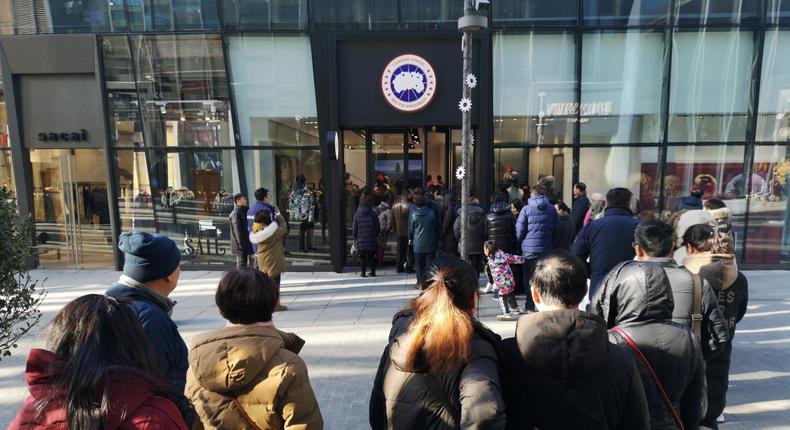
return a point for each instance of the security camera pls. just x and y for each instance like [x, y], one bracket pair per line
[482, 5]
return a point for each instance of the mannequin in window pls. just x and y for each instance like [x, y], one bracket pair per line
[301, 208]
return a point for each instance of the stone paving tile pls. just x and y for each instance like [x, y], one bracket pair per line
[345, 321]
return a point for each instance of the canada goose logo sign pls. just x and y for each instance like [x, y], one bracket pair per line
[408, 83]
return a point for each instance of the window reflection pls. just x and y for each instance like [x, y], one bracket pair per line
[633, 168]
[622, 75]
[773, 122]
[6, 171]
[534, 98]
[706, 12]
[769, 210]
[354, 15]
[264, 15]
[704, 63]
[430, 14]
[275, 94]
[135, 196]
[625, 13]
[525, 13]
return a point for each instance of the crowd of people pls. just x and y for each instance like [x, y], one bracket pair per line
[627, 323]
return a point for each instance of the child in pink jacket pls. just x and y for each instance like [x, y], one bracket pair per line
[498, 265]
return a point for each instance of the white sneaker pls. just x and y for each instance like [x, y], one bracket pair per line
[488, 289]
[506, 317]
[720, 419]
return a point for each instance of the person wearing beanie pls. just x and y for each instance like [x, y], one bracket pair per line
[150, 273]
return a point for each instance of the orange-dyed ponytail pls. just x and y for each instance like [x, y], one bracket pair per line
[442, 327]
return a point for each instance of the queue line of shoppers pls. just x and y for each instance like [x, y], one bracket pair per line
[635, 360]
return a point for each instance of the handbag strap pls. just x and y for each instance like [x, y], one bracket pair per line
[653, 376]
[696, 308]
[449, 406]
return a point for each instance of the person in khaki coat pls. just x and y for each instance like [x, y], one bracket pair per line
[248, 375]
[269, 234]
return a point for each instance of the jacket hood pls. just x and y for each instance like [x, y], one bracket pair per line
[567, 344]
[499, 208]
[400, 342]
[721, 214]
[720, 270]
[476, 214]
[635, 291]
[229, 359]
[540, 202]
[127, 392]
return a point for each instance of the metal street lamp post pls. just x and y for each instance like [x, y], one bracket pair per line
[471, 22]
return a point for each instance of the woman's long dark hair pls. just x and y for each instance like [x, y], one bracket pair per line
[90, 336]
[442, 326]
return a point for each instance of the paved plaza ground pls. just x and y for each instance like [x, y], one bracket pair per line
[345, 321]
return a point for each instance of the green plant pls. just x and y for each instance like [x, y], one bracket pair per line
[20, 295]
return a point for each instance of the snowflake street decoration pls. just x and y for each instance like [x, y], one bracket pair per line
[472, 139]
[460, 173]
[471, 80]
[465, 105]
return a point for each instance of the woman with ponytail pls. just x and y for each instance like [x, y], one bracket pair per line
[440, 369]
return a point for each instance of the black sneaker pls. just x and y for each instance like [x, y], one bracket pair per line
[362, 275]
[373, 274]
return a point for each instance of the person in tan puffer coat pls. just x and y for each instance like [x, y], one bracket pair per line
[248, 375]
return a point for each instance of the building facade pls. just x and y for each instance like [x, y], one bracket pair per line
[151, 114]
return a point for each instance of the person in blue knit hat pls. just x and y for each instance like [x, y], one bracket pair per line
[150, 273]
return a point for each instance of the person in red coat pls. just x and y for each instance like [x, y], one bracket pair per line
[99, 374]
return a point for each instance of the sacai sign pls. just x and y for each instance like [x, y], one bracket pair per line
[408, 83]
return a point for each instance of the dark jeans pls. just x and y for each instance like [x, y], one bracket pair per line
[368, 257]
[422, 263]
[405, 255]
[304, 226]
[243, 260]
[529, 266]
[476, 261]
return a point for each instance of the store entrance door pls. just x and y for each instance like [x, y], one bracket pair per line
[71, 208]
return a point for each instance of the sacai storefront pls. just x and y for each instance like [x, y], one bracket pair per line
[130, 117]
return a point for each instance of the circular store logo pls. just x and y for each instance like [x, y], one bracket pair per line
[408, 83]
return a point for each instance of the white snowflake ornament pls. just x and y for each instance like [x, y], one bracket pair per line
[460, 173]
[472, 139]
[471, 80]
[465, 105]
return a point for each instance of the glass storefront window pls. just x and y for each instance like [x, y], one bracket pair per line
[706, 12]
[126, 127]
[634, 168]
[717, 171]
[533, 97]
[768, 240]
[135, 197]
[354, 15]
[773, 121]
[625, 13]
[264, 15]
[430, 14]
[622, 75]
[527, 13]
[7, 25]
[192, 198]
[277, 170]
[703, 63]
[182, 90]
[274, 88]
[551, 167]
[6, 171]
[778, 11]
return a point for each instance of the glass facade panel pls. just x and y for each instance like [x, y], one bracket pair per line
[182, 90]
[274, 88]
[717, 170]
[264, 15]
[534, 98]
[6, 171]
[7, 25]
[635, 168]
[704, 63]
[354, 15]
[135, 196]
[773, 121]
[192, 198]
[705, 12]
[622, 75]
[778, 11]
[430, 14]
[277, 170]
[625, 13]
[126, 126]
[768, 240]
[528, 13]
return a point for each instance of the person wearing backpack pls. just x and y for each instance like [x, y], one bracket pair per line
[635, 299]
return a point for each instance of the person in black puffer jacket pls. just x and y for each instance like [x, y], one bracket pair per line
[636, 297]
[501, 224]
[447, 240]
[366, 228]
[440, 369]
[477, 230]
[714, 261]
